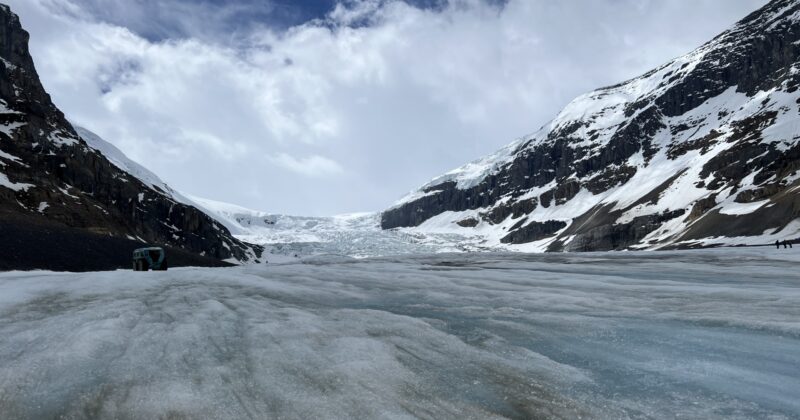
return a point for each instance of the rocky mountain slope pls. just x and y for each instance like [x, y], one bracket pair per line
[703, 150]
[53, 183]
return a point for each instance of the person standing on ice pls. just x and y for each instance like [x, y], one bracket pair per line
[777, 244]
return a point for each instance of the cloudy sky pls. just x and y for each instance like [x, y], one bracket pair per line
[322, 107]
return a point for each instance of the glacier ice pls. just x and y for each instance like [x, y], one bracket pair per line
[695, 334]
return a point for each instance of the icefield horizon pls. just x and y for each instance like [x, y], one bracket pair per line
[711, 333]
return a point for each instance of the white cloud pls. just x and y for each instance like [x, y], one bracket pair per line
[313, 166]
[396, 102]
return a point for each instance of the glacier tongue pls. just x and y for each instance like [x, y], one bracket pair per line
[358, 235]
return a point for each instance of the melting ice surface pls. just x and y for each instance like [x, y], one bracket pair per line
[692, 334]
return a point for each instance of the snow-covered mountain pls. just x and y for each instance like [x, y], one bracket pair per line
[69, 200]
[703, 150]
[122, 161]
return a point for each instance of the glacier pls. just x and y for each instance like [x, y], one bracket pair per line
[709, 333]
[287, 238]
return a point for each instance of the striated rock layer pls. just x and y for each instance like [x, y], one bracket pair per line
[703, 150]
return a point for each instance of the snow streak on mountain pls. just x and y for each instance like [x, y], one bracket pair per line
[703, 150]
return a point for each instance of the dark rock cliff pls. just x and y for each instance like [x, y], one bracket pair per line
[48, 174]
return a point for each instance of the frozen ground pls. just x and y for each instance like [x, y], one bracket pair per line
[695, 334]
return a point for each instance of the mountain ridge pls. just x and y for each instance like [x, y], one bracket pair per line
[52, 182]
[660, 160]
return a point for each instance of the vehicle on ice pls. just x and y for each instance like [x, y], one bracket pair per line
[151, 258]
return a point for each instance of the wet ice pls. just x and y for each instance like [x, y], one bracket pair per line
[699, 334]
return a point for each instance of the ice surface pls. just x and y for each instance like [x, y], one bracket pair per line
[691, 334]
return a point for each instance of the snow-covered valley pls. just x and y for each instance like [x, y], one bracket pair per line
[692, 334]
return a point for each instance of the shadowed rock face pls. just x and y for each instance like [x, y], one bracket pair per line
[49, 174]
[716, 124]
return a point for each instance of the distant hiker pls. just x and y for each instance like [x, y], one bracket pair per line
[777, 244]
[784, 245]
[790, 243]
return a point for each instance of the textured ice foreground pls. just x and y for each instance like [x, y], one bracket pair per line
[700, 334]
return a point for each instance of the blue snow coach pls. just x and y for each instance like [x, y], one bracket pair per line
[151, 258]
